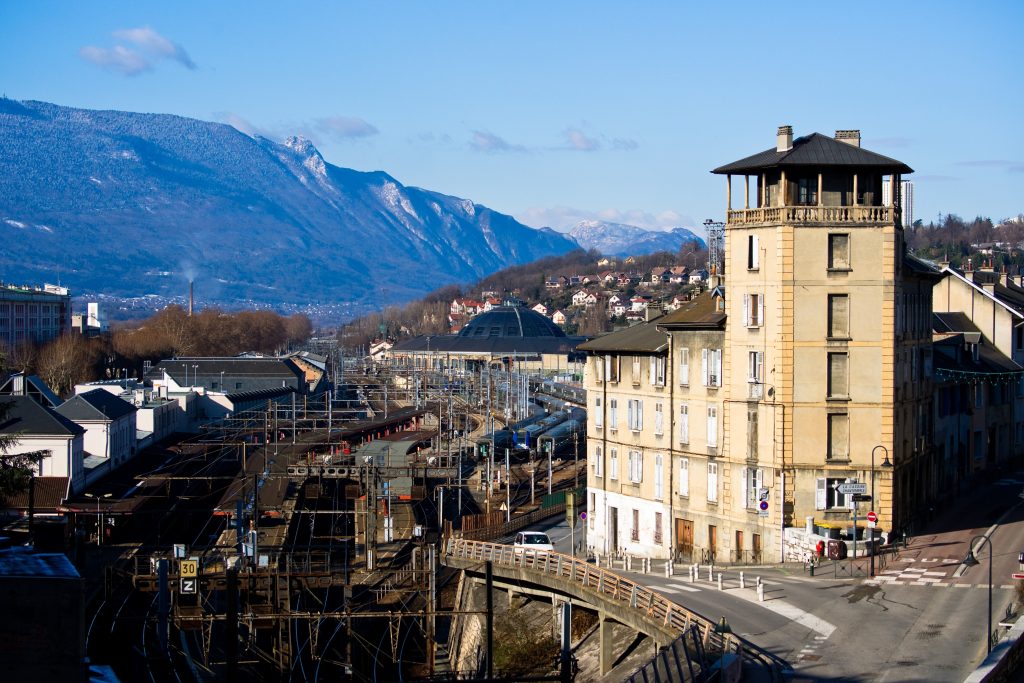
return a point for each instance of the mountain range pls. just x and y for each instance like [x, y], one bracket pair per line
[618, 239]
[130, 204]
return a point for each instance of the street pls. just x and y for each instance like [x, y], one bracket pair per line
[923, 618]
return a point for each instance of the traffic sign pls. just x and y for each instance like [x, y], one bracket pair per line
[1016, 575]
[763, 505]
[861, 498]
[188, 569]
[188, 586]
[851, 487]
[583, 515]
[872, 517]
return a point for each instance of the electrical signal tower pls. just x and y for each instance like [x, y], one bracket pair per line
[716, 248]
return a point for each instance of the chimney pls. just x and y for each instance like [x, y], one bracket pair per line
[850, 137]
[190, 300]
[784, 139]
[652, 311]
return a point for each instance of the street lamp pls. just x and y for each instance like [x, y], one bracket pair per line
[971, 561]
[99, 520]
[886, 465]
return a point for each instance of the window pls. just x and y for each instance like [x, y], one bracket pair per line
[751, 482]
[634, 530]
[635, 414]
[807, 191]
[711, 367]
[611, 368]
[713, 482]
[827, 496]
[598, 464]
[839, 316]
[753, 310]
[599, 365]
[755, 366]
[684, 476]
[598, 416]
[659, 419]
[636, 370]
[657, 371]
[838, 436]
[684, 367]
[659, 476]
[753, 252]
[636, 467]
[752, 433]
[838, 375]
[684, 423]
[657, 528]
[839, 252]
[613, 464]
[593, 510]
[613, 413]
[712, 426]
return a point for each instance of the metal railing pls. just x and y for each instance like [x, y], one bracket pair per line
[655, 608]
[515, 524]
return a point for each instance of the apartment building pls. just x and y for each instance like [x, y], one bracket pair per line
[38, 314]
[816, 370]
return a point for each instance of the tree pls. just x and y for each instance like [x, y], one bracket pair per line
[15, 468]
[298, 328]
[67, 361]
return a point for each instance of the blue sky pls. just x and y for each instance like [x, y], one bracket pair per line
[555, 112]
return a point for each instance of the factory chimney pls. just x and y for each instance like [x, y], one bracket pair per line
[190, 299]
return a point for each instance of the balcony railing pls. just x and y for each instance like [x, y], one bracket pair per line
[812, 214]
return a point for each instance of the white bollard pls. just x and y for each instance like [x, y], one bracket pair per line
[743, 583]
[710, 572]
[719, 580]
[760, 592]
[693, 575]
[597, 559]
[646, 565]
[671, 568]
[629, 563]
[668, 569]
[759, 581]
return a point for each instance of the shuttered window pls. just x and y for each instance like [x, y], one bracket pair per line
[838, 436]
[839, 316]
[838, 376]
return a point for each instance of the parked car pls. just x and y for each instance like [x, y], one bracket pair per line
[533, 540]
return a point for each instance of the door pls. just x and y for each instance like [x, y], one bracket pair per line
[613, 530]
[684, 539]
[712, 542]
[755, 548]
[739, 546]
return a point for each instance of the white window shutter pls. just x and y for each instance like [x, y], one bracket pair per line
[820, 494]
[760, 310]
[639, 414]
[743, 487]
[652, 372]
[704, 365]
[746, 309]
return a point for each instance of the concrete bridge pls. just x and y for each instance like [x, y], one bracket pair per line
[616, 599]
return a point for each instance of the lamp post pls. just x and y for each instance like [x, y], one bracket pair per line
[885, 464]
[99, 520]
[970, 561]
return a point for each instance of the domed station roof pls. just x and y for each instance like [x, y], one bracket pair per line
[510, 322]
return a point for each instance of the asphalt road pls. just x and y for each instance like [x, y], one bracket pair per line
[894, 630]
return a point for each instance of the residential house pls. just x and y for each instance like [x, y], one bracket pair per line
[639, 303]
[38, 428]
[109, 423]
[541, 308]
[579, 299]
[558, 317]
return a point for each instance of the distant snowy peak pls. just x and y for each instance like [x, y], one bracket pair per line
[310, 156]
[619, 239]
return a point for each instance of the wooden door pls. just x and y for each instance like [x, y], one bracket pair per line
[756, 548]
[613, 530]
[684, 539]
[739, 546]
[712, 542]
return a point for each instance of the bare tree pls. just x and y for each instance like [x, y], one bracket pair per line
[65, 362]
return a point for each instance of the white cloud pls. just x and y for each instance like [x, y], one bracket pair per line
[484, 141]
[579, 141]
[564, 218]
[346, 127]
[149, 47]
[118, 58]
[152, 42]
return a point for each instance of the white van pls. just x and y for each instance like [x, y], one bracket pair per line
[533, 540]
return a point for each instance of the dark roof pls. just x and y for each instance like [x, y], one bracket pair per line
[97, 404]
[232, 366]
[259, 393]
[916, 266]
[495, 346]
[49, 493]
[31, 419]
[953, 322]
[640, 338]
[510, 321]
[20, 384]
[950, 360]
[700, 312]
[815, 150]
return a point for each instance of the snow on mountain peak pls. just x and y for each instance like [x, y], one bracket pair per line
[312, 160]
